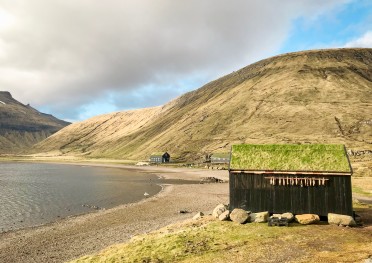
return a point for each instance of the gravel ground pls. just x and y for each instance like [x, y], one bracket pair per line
[77, 236]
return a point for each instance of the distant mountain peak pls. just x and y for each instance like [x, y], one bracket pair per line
[21, 126]
[5, 93]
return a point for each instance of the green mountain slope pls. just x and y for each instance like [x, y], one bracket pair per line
[322, 96]
[21, 126]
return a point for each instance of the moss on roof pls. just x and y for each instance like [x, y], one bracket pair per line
[290, 157]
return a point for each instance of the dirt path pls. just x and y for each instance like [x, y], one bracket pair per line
[363, 199]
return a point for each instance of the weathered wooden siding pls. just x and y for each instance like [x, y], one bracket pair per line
[156, 159]
[253, 192]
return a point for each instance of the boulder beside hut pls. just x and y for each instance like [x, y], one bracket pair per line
[341, 220]
[239, 215]
[218, 210]
[307, 219]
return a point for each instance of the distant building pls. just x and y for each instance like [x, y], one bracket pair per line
[160, 157]
[220, 158]
[309, 178]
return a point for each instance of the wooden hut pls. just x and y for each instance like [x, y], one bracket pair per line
[310, 178]
[220, 158]
[160, 157]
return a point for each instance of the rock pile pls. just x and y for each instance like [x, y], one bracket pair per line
[208, 180]
[218, 210]
[241, 216]
[224, 216]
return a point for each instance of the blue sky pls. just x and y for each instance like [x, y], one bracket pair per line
[331, 29]
[76, 59]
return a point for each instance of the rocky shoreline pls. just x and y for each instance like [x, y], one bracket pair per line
[76, 236]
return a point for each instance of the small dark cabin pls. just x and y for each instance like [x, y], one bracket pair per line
[220, 158]
[309, 178]
[160, 157]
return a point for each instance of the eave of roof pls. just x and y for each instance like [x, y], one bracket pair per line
[313, 173]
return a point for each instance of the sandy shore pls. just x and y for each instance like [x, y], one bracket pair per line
[73, 237]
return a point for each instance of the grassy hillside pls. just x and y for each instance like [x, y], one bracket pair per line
[307, 97]
[21, 126]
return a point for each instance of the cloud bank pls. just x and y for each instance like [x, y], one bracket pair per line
[363, 41]
[68, 56]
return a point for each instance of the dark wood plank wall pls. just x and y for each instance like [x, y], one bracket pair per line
[253, 192]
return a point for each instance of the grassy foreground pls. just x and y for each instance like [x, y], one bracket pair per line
[209, 240]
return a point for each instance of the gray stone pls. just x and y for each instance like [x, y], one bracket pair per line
[224, 216]
[289, 216]
[219, 210]
[198, 215]
[368, 260]
[341, 220]
[307, 219]
[260, 217]
[239, 215]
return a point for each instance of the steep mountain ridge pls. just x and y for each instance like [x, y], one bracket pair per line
[21, 126]
[322, 96]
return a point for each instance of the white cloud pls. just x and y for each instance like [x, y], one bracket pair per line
[64, 54]
[363, 41]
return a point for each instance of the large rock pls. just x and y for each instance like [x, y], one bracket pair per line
[341, 220]
[224, 216]
[260, 217]
[288, 215]
[307, 219]
[239, 215]
[218, 210]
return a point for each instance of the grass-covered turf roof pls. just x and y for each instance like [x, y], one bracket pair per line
[157, 154]
[290, 157]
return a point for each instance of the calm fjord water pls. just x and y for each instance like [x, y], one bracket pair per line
[33, 194]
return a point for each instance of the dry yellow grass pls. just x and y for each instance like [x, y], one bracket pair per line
[308, 97]
[208, 240]
[362, 185]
